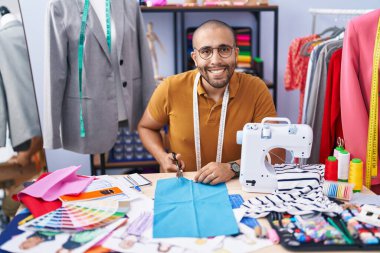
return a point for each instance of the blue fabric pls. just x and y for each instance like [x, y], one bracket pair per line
[236, 201]
[12, 228]
[183, 208]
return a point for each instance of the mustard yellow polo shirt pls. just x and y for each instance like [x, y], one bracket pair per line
[172, 104]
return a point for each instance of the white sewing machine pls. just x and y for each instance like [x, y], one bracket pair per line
[257, 139]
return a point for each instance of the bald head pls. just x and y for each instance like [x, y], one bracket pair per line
[212, 25]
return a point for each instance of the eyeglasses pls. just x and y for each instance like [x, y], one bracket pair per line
[206, 52]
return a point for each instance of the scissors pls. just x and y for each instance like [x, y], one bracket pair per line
[340, 142]
[179, 169]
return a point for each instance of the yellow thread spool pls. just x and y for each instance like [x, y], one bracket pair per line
[356, 174]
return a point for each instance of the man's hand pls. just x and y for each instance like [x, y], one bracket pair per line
[214, 173]
[168, 164]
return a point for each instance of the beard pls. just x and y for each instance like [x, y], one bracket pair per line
[218, 82]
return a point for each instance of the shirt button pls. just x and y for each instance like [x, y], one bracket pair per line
[121, 62]
[124, 84]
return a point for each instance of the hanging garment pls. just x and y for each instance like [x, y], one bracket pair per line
[332, 122]
[296, 68]
[355, 88]
[300, 191]
[18, 107]
[309, 77]
[315, 107]
[100, 73]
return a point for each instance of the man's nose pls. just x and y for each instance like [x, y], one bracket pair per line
[215, 57]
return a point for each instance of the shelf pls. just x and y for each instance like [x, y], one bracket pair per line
[174, 8]
[124, 164]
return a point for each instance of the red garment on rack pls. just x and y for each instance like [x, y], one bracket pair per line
[296, 68]
[332, 122]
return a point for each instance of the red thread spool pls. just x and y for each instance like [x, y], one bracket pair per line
[331, 168]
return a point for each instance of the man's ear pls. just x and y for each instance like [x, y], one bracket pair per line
[237, 51]
[194, 57]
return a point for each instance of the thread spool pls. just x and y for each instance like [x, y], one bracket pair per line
[356, 174]
[273, 236]
[331, 168]
[343, 165]
[337, 150]
[338, 190]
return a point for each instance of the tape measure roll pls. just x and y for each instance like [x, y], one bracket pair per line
[373, 134]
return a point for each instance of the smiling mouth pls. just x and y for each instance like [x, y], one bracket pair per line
[216, 71]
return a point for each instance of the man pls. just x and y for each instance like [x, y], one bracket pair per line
[185, 109]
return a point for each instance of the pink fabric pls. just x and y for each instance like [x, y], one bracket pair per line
[356, 75]
[58, 183]
[296, 68]
[37, 206]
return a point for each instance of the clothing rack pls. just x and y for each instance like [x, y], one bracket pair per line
[347, 12]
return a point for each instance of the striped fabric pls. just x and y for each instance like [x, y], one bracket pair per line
[299, 192]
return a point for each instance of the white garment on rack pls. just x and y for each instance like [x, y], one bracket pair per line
[100, 10]
[7, 18]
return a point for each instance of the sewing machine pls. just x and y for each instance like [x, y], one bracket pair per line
[257, 139]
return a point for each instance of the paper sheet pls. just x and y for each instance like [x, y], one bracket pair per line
[31, 242]
[362, 199]
[183, 208]
[108, 181]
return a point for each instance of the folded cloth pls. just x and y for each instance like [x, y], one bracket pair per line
[38, 206]
[183, 208]
[58, 183]
[300, 191]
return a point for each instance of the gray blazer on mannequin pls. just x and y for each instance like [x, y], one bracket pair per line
[100, 112]
[18, 105]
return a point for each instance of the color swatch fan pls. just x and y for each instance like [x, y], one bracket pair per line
[78, 216]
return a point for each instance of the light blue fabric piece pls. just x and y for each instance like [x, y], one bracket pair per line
[183, 208]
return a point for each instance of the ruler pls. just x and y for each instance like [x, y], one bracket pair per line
[373, 134]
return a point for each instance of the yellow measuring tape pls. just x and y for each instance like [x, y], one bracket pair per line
[373, 135]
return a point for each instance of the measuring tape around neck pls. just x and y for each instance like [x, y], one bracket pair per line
[373, 135]
[222, 122]
[82, 34]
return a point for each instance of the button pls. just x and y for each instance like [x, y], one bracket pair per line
[121, 62]
[124, 84]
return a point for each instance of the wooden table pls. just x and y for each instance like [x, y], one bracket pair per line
[233, 187]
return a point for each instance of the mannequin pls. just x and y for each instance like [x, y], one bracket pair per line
[152, 38]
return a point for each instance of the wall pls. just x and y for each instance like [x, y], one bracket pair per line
[294, 21]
